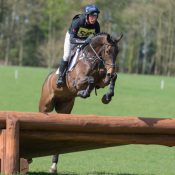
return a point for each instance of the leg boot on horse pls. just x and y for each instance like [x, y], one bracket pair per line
[62, 71]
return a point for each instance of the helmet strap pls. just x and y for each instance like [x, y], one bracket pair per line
[87, 18]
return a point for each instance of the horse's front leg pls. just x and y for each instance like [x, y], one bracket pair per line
[108, 96]
[86, 93]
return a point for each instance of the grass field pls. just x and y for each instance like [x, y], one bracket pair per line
[135, 95]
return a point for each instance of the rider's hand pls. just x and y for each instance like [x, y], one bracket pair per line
[88, 40]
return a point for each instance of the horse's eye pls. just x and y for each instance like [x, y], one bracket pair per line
[107, 51]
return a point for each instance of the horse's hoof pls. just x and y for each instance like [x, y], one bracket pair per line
[52, 170]
[105, 99]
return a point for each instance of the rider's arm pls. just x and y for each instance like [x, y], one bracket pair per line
[74, 39]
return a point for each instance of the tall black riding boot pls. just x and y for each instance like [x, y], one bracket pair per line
[62, 71]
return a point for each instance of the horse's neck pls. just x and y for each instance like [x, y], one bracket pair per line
[85, 66]
[89, 51]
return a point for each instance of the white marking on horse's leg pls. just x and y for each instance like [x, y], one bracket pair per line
[53, 168]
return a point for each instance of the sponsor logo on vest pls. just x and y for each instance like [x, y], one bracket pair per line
[83, 32]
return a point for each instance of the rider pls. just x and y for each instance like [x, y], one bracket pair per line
[81, 28]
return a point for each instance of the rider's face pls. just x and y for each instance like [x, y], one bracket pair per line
[92, 19]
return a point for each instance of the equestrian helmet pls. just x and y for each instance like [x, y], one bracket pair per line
[92, 9]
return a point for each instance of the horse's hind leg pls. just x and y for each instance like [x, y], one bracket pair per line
[66, 108]
[53, 168]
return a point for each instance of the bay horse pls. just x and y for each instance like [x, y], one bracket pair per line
[95, 68]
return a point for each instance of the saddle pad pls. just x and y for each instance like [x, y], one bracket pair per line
[57, 72]
[73, 60]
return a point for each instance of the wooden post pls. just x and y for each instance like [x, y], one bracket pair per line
[2, 150]
[12, 146]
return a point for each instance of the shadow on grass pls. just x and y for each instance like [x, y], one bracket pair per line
[91, 173]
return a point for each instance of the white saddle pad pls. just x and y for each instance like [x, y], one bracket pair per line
[57, 72]
[74, 60]
[72, 63]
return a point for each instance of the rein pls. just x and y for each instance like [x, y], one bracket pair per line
[100, 58]
[97, 55]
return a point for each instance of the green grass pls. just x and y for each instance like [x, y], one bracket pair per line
[135, 95]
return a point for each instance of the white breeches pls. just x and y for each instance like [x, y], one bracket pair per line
[67, 47]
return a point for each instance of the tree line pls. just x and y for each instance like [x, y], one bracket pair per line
[32, 32]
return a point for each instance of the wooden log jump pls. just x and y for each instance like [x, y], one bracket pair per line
[28, 134]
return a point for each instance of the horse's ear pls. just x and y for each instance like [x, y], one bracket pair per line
[108, 38]
[121, 36]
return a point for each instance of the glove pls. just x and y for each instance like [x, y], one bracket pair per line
[88, 40]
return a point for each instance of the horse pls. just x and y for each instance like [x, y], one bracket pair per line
[95, 68]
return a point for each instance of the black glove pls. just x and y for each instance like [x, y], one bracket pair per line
[88, 40]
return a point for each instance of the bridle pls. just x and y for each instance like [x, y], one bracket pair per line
[97, 57]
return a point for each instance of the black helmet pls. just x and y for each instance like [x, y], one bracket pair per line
[92, 9]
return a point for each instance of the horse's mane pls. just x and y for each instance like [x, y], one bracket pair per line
[106, 34]
[99, 34]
